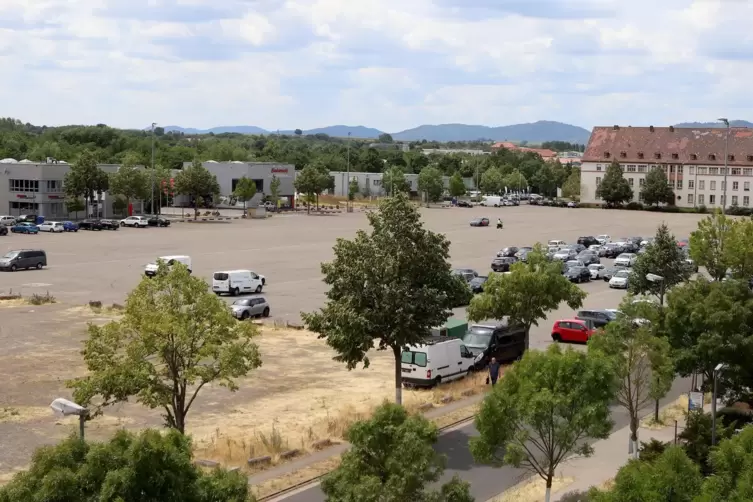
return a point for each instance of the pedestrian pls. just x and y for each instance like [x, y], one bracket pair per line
[493, 370]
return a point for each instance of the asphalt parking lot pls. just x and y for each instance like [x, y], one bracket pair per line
[287, 249]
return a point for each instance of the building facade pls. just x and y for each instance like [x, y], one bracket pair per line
[692, 158]
[371, 183]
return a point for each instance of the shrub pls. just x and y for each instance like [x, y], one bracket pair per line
[37, 299]
[737, 416]
[635, 206]
[702, 209]
[575, 496]
[652, 450]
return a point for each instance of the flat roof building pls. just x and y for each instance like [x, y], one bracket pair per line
[370, 184]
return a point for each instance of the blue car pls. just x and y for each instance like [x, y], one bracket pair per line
[24, 228]
[69, 226]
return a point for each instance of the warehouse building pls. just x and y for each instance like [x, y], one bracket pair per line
[370, 184]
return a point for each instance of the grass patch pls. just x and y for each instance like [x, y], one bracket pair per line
[21, 414]
[678, 410]
[532, 490]
[38, 299]
[313, 471]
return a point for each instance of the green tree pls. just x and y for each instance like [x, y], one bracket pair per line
[709, 245]
[298, 132]
[732, 465]
[393, 181]
[150, 466]
[85, 178]
[387, 288]
[571, 188]
[385, 138]
[696, 437]
[641, 362]
[614, 188]
[197, 183]
[457, 186]
[392, 459]
[662, 258]
[656, 189]
[740, 247]
[492, 181]
[311, 182]
[352, 189]
[274, 190]
[527, 294]
[74, 206]
[130, 182]
[174, 338]
[431, 183]
[515, 181]
[245, 190]
[545, 180]
[543, 410]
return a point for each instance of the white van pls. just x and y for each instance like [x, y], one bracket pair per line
[151, 269]
[491, 200]
[235, 282]
[437, 360]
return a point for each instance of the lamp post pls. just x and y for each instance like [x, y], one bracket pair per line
[715, 374]
[68, 408]
[347, 195]
[657, 278]
[726, 157]
[153, 181]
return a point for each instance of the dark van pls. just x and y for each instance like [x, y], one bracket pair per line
[495, 338]
[23, 258]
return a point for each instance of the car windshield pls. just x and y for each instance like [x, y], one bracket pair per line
[478, 280]
[10, 255]
[477, 337]
[622, 274]
[246, 302]
[594, 266]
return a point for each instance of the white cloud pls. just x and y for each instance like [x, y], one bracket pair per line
[390, 64]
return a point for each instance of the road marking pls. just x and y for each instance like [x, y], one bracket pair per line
[36, 285]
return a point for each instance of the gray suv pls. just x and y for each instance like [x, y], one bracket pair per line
[250, 307]
[23, 258]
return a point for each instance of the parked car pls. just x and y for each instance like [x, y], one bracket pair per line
[480, 222]
[588, 240]
[23, 258]
[572, 330]
[503, 264]
[90, 224]
[572, 204]
[158, 221]
[604, 239]
[135, 221]
[109, 224]
[588, 257]
[3, 230]
[599, 317]
[608, 272]
[464, 203]
[245, 308]
[52, 226]
[613, 250]
[235, 282]
[620, 280]
[7, 221]
[683, 243]
[598, 249]
[69, 226]
[438, 359]
[576, 247]
[477, 284]
[466, 273]
[565, 254]
[30, 218]
[24, 227]
[578, 274]
[495, 338]
[595, 269]
[692, 265]
[572, 263]
[646, 242]
[151, 269]
[628, 245]
[507, 252]
[626, 259]
[556, 242]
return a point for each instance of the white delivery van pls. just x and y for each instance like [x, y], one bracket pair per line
[235, 282]
[491, 200]
[151, 269]
[437, 360]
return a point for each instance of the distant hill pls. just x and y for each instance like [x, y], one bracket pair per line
[535, 132]
[733, 123]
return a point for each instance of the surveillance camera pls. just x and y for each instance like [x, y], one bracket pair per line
[66, 408]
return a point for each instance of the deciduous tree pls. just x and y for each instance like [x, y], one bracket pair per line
[74, 206]
[663, 258]
[352, 189]
[527, 294]
[245, 190]
[85, 178]
[393, 181]
[431, 183]
[130, 182]
[197, 183]
[515, 181]
[312, 181]
[571, 188]
[656, 189]
[392, 459]
[457, 187]
[543, 410]
[710, 245]
[174, 338]
[492, 181]
[614, 188]
[385, 138]
[274, 190]
[387, 288]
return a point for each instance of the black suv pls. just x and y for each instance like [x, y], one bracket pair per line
[109, 224]
[587, 241]
[497, 339]
[507, 252]
[599, 318]
[158, 221]
[503, 264]
[90, 224]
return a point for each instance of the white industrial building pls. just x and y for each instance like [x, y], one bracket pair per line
[374, 183]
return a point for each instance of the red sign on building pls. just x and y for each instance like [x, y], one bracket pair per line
[280, 170]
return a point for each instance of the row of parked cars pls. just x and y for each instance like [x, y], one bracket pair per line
[32, 224]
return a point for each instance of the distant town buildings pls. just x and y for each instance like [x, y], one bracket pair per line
[545, 154]
[445, 151]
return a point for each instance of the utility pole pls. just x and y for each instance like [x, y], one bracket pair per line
[153, 181]
[726, 157]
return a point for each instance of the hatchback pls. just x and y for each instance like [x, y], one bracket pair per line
[250, 307]
[24, 228]
[572, 330]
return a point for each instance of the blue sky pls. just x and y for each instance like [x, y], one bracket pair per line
[389, 64]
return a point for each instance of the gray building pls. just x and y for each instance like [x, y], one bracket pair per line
[228, 174]
[374, 183]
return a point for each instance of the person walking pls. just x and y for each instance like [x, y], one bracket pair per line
[499, 222]
[493, 371]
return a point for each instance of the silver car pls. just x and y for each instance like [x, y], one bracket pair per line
[626, 260]
[565, 254]
[244, 308]
[589, 257]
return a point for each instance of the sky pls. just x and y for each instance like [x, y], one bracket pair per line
[388, 64]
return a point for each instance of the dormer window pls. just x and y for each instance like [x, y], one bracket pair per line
[750, 158]
[606, 155]
[640, 155]
[712, 156]
[657, 155]
[731, 158]
[693, 156]
[675, 156]
[623, 155]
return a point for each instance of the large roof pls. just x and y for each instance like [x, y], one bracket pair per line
[670, 145]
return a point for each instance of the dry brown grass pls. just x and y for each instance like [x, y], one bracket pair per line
[678, 410]
[20, 414]
[294, 478]
[532, 490]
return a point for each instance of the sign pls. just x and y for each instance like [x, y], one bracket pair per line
[24, 196]
[695, 401]
[280, 170]
[55, 196]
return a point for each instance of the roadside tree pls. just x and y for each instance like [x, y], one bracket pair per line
[732, 465]
[393, 181]
[614, 188]
[571, 187]
[430, 182]
[515, 181]
[662, 258]
[740, 247]
[175, 337]
[457, 187]
[274, 190]
[352, 189]
[709, 245]
[310, 182]
[392, 459]
[492, 181]
[197, 183]
[527, 294]
[150, 466]
[75, 206]
[656, 189]
[129, 182]
[543, 411]
[245, 190]
[387, 288]
[85, 179]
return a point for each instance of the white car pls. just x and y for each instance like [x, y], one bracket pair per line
[619, 280]
[8, 221]
[594, 269]
[598, 249]
[51, 226]
[151, 269]
[135, 221]
[603, 239]
[625, 260]
[555, 242]
[565, 255]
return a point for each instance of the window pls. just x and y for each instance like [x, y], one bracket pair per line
[56, 208]
[641, 182]
[417, 358]
[640, 155]
[746, 186]
[671, 169]
[640, 196]
[631, 168]
[606, 155]
[735, 171]
[712, 199]
[700, 199]
[690, 199]
[747, 171]
[679, 184]
[746, 200]
[598, 181]
[24, 185]
[713, 170]
[691, 170]
[623, 155]
[675, 156]
[702, 170]
[691, 184]
[731, 158]
[377, 183]
[734, 200]
[642, 169]
[54, 186]
[694, 156]
[735, 186]
[657, 155]
[631, 181]
[702, 185]
[712, 157]
[672, 184]
[712, 185]
[723, 170]
[750, 158]
[598, 167]
[679, 169]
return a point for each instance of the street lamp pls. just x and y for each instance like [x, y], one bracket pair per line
[726, 156]
[719, 367]
[347, 195]
[68, 408]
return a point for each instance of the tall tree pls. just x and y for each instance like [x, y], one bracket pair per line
[393, 181]
[492, 181]
[543, 410]
[174, 338]
[515, 181]
[245, 190]
[352, 189]
[392, 459]
[197, 183]
[614, 188]
[130, 182]
[75, 206]
[662, 258]
[311, 182]
[430, 182]
[641, 362]
[739, 246]
[732, 464]
[709, 244]
[85, 178]
[571, 188]
[387, 288]
[656, 189]
[146, 467]
[457, 186]
[274, 190]
[385, 138]
[527, 294]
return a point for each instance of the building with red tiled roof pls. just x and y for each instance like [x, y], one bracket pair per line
[693, 158]
[543, 152]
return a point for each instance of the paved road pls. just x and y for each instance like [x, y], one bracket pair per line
[487, 482]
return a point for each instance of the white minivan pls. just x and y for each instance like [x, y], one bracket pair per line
[437, 360]
[151, 269]
[235, 282]
[491, 200]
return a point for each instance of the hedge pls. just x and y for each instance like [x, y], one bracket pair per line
[637, 206]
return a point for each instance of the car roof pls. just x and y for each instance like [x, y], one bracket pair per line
[232, 271]
[174, 256]
[579, 321]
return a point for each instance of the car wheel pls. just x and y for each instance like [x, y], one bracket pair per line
[122, 224]
[244, 315]
[235, 292]
[266, 312]
[438, 381]
[39, 266]
[13, 268]
[258, 289]
[556, 337]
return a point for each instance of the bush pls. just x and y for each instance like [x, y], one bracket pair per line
[37, 299]
[634, 206]
[738, 211]
[702, 209]
[575, 496]
[652, 450]
[738, 416]
[664, 209]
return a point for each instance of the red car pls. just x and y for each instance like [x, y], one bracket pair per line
[480, 222]
[572, 330]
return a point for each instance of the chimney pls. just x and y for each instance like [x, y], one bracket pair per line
[616, 128]
[671, 128]
[651, 128]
